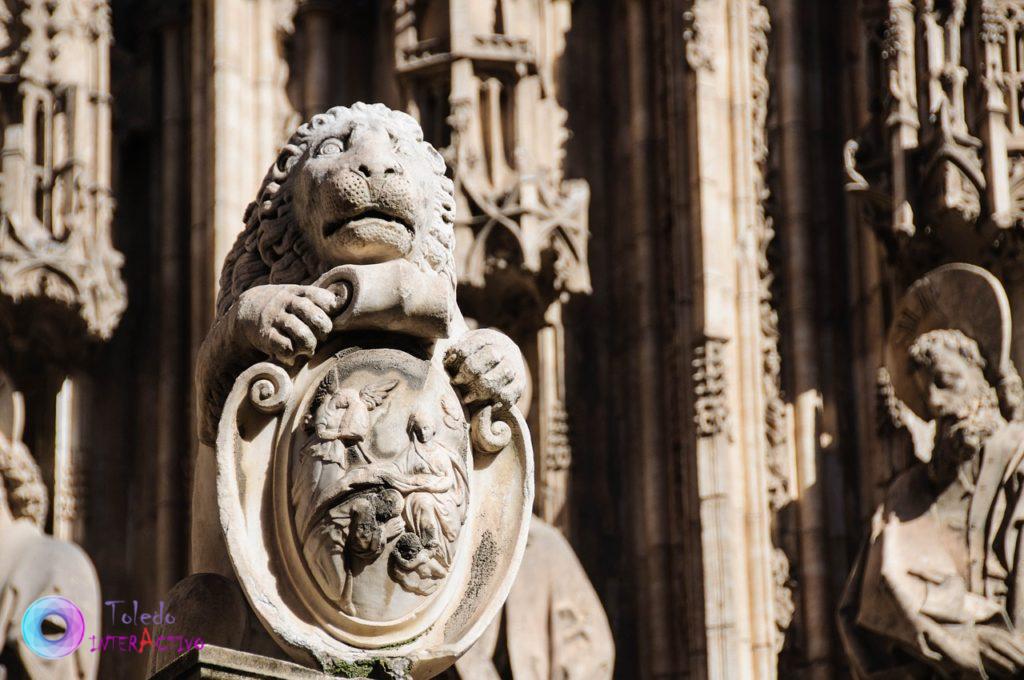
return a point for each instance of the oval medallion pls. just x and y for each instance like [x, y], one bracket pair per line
[377, 480]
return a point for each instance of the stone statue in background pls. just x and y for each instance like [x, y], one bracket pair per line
[938, 590]
[553, 626]
[373, 476]
[32, 564]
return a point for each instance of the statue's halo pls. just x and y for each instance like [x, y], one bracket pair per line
[955, 296]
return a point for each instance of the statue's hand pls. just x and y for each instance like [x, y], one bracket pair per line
[1002, 651]
[487, 367]
[286, 321]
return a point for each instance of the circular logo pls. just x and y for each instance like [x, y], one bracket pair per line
[63, 616]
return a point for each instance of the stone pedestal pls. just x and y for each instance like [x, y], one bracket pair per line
[228, 664]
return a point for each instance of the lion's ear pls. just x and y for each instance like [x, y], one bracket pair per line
[436, 159]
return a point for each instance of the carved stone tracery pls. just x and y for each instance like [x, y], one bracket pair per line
[482, 78]
[940, 162]
[55, 198]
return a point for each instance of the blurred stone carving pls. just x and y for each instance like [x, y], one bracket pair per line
[940, 161]
[373, 476]
[711, 409]
[32, 564]
[936, 588]
[553, 625]
[483, 80]
[55, 198]
[60, 286]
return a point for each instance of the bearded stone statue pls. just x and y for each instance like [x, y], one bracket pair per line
[937, 589]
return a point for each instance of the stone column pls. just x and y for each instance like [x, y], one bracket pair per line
[240, 113]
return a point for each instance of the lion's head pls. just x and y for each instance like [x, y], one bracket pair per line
[354, 185]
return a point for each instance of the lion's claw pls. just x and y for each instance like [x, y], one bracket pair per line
[487, 367]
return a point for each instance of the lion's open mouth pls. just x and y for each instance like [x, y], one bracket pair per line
[334, 227]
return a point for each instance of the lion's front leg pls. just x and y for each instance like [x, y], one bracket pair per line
[285, 321]
[487, 368]
[279, 321]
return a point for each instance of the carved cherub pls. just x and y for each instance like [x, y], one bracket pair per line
[354, 186]
[339, 417]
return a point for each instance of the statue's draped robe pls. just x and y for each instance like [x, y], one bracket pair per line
[554, 624]
[936, 562]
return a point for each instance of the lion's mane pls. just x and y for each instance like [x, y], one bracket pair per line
[272, 247]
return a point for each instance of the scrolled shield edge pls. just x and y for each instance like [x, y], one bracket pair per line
[501, 499]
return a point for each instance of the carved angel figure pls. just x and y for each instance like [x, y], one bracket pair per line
[434, 481]
[334, 460]
[938, 590]
[366, 490]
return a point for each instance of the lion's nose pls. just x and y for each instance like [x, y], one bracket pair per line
[379, 167]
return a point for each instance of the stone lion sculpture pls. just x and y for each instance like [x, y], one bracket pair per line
[337, 330]
[353, 186]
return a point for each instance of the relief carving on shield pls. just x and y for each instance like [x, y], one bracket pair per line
[359, 518]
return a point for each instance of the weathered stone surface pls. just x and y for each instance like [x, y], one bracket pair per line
[937, 587]
[373, 478]
[553, 625]
[220, 663]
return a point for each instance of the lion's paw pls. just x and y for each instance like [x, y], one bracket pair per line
[287, 321]
[486, 367]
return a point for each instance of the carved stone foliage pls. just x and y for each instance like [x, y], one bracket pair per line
[373, 477]
[934, 589]
[939, 162]
[699, 51]
[776, 424]
[55, 202]
[711, 410]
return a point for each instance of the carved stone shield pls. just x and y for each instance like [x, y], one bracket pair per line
[365, 526]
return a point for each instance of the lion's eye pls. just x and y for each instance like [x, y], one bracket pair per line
[330, 147]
